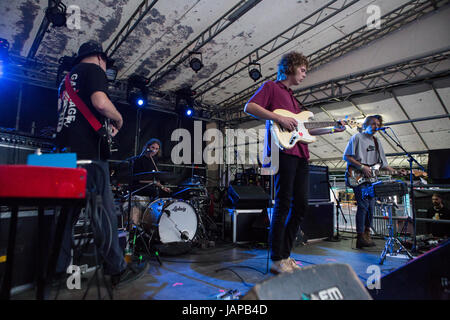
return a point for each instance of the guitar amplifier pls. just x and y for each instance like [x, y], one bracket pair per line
[15, 146]
[319, 190]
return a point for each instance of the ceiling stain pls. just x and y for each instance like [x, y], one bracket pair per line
[29, 10]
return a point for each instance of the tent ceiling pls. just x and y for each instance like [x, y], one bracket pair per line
[170, 29]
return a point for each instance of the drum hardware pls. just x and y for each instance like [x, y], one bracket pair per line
[139, 233]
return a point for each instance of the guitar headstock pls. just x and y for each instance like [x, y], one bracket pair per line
[352, 123]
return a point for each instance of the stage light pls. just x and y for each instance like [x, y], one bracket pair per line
[56, 14]
[189, 112]
[184, 102]
[196, 63]
[137, 90]
[254, 71]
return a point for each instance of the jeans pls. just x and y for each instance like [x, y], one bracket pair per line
[364, 212]
[291, 204]
[108, 246]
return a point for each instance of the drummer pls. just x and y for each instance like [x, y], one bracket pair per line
[146, 162]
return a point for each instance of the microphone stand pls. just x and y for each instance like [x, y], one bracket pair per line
[336, 238]
[411, 159]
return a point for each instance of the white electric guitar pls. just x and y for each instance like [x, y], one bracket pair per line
[286, 139]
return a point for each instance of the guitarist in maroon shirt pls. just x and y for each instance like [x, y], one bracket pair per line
[292, 177]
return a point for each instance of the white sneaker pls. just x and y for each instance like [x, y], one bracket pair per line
[292, 264]
[280, 266]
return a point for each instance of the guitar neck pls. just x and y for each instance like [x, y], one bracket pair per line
[319, 124]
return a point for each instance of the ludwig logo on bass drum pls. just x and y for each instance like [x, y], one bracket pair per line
[176, 209]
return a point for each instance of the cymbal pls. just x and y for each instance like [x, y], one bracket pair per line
[162, 176]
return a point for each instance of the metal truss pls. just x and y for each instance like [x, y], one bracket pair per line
[394, 159]
[203, 38]
[391, 21]
[41, 32]
[431, 66]
[129, 26]
[405, 73]
[310, 22]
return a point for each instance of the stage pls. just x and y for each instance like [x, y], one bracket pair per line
[205, 274]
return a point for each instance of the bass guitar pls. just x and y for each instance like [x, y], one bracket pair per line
[285, 139]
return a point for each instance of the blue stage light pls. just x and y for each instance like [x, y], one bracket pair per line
[189, 112]
[140, 102]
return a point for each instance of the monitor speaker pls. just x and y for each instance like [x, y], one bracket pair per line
[332, 281]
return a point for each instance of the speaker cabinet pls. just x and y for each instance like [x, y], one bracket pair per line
[423, 278]
[248, 197]
[319, 220]
[319, 282]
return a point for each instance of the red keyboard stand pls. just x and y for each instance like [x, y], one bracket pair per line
[22, 185]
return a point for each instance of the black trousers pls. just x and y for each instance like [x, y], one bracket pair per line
[291, 204]
[106, 226]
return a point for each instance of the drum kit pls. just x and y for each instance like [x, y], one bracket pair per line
[174, 220]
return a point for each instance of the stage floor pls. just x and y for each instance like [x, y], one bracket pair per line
[203, 274]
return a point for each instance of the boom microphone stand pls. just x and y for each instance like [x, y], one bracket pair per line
[411, 159]
[336, 238]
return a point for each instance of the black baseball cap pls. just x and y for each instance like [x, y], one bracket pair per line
[90, 48]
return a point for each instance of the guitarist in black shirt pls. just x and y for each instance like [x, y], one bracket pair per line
[82, 107]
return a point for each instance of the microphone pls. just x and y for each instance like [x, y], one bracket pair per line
[382, 128]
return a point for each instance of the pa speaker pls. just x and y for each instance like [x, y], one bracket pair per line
[319, 282]
[424, 278]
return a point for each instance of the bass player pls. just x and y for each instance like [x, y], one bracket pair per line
[292, 177]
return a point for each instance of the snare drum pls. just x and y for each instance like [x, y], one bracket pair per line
[175, 220]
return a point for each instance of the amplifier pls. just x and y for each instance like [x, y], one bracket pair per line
[248, 197]
[15, 147]
[319, 190]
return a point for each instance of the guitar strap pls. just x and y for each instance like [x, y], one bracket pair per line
[377, 148]
[89, 116]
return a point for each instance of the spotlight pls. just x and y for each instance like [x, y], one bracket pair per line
[189, 112]
[184, 102]
[254, 70]
[196, 63]
[137, 90]
[56, 14]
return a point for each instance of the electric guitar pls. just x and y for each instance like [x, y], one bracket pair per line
[356, 177]
[107, 146]
[285, 139]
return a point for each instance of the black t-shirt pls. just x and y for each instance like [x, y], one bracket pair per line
[440, 229]
[73, 130]
[143, 164]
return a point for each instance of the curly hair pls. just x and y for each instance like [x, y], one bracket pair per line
[290, 61]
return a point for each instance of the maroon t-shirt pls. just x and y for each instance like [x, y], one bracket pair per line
[274, 95]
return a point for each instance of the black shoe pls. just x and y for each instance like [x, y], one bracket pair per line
[132, 272]
[361, 242]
